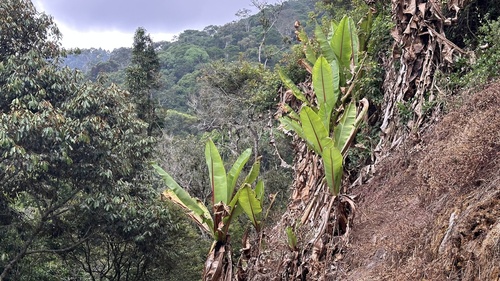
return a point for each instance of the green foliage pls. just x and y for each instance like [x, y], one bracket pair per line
[292, 238]
[178, 123]
[76, 198]
[27, 30]
[251, 84]
[226, 204]
[289, 66]
[486, 65]
[473, 15]
[181, 59]
[329, 137]
[142, 80]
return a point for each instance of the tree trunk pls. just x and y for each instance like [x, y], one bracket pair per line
[420, 47]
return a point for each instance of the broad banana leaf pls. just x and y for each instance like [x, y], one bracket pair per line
[290, 85]
[323, 83]
[332, 161]
[181, 197]
[254, 172]
[344, 128]
[345, 43]
[326, 49]
[333, 26]
[217, 173]
[292, 125]
[236, 209]
[325, 116]
[248, 201]
[234, 172]
[203, 221]
[358, 121]
[354, 44]
[314, 130]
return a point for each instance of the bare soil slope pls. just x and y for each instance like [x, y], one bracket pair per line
[432, 212]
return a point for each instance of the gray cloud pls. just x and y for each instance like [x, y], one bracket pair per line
[155, 15]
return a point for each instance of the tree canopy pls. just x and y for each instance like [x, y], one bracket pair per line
[74, 170]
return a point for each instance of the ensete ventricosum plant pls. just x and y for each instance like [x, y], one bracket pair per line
[329, 123]
[227, 204]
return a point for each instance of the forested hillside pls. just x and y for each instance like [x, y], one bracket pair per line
[265, 38]
[307, 141]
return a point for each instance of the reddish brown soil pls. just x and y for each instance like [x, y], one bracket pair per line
[432, 212]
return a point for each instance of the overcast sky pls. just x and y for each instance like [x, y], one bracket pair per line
[111, 24]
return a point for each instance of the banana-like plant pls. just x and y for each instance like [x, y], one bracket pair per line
[227, 204]
[329, 123]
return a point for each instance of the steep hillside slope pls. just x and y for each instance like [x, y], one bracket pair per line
[432, 212]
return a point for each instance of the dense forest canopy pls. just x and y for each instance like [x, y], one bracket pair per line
[79, 130]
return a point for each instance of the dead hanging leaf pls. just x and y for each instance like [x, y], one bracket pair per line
[218, 266]
[420, 48]
[221, 211]
[422, 8]
[317, 249]
[214, 262]
[411, 8]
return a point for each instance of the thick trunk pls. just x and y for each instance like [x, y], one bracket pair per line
[420, 47]
[219, 265]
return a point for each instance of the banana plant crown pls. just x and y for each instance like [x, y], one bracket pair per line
[328, 124]
[226, 203]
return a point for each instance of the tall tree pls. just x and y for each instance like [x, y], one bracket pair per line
[143, 79]
[27, 30]
[269, 15]
[72, 194]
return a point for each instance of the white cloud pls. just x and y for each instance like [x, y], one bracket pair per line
[105, 39]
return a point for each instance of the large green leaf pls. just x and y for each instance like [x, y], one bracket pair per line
[334, 65]
[290, 85]
[332, 161]
[217, 174]
[293, 125]
[323, 82]
[344, 128]
[234, 172]
[326, 49]
[254, 172]
[325, 115]
[314, 130]
[181, 197]
[248, 201]
[345, 43]
[333, 26]
[354, 42]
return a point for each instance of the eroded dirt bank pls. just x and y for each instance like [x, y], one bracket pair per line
[432, 210]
